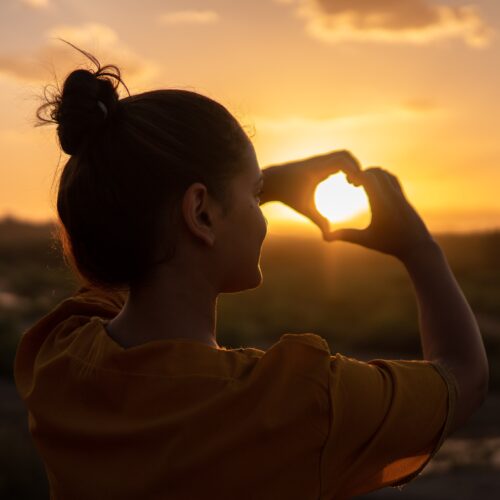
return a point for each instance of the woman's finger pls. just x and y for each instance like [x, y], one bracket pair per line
[375, 188]
[331, 163]
[393, 187]
[353, 180]
[312, 213]
[395, 182]
[357, 236]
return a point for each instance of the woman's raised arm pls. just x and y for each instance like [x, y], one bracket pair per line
[449, 332]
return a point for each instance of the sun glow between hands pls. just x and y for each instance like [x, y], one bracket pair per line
[339, 201]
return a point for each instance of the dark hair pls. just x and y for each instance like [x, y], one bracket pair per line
[131, 161]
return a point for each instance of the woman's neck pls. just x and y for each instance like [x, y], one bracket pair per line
[174, 304]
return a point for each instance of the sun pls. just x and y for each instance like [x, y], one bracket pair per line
[339, 201]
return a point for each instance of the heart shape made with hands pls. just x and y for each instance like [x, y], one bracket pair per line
[341, 202]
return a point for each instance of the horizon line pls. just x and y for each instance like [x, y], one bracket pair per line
[303, 232]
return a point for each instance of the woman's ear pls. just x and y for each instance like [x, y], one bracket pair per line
[198, 212]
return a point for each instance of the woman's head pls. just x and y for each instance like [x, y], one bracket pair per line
[121, 197]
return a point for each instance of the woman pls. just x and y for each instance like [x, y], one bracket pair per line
[128, 392]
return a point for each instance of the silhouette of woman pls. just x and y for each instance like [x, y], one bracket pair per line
[128, 392]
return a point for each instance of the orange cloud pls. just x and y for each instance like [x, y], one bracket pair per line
[36, 4]
[190, 17]
[98, 39]
[420, 105]
[408, 21]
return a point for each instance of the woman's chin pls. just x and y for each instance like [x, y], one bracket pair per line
[245, 283]
[257, 281]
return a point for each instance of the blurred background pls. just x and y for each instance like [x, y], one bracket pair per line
[409, 85]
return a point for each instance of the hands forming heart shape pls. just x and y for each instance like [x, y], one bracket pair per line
[395, 228]
[298, 181]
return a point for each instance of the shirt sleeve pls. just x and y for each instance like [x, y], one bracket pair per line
[387, 420]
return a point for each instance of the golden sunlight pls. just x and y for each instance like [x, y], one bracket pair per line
[338, 200]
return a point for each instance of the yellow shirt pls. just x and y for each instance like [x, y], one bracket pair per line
[179, 419]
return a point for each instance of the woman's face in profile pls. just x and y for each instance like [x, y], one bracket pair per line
[245, 228]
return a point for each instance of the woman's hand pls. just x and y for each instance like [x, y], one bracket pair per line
[294, 183]
[396, 228]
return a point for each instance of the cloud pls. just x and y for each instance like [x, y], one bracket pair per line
[36, 4]
[98, 39]
[408, 110]
[420, 105]
[190, 17]
[409, 21]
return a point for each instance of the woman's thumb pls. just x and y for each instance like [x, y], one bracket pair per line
[358, 236]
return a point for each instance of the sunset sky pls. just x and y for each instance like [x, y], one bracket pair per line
[411, 86]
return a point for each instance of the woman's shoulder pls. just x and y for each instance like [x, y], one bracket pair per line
[304, 356]
[306, 339]
[286, 341]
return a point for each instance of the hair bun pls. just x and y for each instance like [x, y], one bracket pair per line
[86, 103]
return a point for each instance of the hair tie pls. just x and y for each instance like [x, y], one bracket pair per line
[103, 107]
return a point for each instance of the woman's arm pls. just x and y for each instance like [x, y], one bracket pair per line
[448, 329]
[449, 332]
